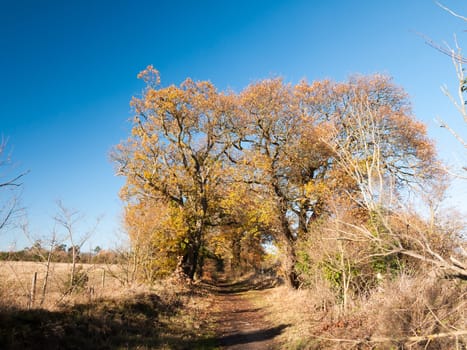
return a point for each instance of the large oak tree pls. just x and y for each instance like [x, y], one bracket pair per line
[176, 155]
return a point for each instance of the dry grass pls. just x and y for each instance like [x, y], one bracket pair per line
[405, 313]
[419, 306]
[166, 315]
[16, 281]
[296, 308]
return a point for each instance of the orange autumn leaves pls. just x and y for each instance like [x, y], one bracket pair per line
[291, 148]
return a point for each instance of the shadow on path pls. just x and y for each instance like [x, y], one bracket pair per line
[255, 336]
[248, 284]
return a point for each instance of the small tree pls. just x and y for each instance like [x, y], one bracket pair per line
[8, 185]
[68, 220]
[43, 250]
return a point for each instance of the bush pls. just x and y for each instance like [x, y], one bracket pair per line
[79, 282]
[419, 306]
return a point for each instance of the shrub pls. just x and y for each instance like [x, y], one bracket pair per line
[418, 306]
[79, 282]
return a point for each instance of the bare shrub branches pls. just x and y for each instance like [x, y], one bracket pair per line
[458, 99]
[9, 184]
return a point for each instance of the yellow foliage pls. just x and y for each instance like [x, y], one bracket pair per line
[205, 169]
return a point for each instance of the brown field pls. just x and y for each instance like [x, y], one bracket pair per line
[16, 282]
[116, 315]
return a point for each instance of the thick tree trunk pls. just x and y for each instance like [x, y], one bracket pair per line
[291, 275]
[235, 264]
[195, 266]
[191, 262]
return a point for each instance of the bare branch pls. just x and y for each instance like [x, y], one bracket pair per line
[445, 50]
[455, 14]
[9, 202]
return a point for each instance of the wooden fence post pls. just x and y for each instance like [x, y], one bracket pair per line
[103, 278]
[32, 295]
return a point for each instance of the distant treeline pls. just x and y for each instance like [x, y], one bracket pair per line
[61, 254]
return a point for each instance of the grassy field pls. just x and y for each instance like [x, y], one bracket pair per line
[113, 315]
[16, 282]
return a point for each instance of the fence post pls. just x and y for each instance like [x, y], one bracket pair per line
[32, 295]
[103, 278]
[91, 294]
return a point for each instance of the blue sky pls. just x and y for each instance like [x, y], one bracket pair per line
[68, 71]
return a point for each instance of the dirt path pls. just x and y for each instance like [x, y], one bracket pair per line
[241, 324]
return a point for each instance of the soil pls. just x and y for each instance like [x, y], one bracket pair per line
[240, 323]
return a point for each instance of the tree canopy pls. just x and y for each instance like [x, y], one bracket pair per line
[213, 174]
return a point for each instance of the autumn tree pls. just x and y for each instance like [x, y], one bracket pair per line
[271, 124]
[156, 233]
[376, 135]
[385, 152]
[174, 158]
[381, 157]
[285, 154]
[208, 171]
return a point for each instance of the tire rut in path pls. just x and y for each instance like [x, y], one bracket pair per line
[242, 325]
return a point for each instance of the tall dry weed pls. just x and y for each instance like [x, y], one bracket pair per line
[423, 306]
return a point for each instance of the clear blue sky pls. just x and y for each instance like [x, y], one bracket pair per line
[68, 71]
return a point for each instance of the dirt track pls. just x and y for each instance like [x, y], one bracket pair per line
[241, 324]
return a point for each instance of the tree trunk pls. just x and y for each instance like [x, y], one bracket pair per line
[291, 257]
[289, 239]
[235, 264]
[73, 266]
[187, 263]
[191, 259]
[290, 272]
[46, 277]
